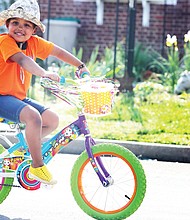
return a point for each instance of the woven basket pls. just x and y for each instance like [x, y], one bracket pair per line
[98, 98]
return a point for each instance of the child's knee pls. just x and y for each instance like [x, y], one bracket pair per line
[50, 119]
[54, 122]
[31, 116]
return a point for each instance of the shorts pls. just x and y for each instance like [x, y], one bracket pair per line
[10, 107]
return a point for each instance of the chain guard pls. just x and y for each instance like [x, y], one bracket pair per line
[22, 176]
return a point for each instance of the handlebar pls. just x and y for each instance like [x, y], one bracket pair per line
[65, 90]
[71, 86]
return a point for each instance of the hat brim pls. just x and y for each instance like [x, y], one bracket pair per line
[6, 14]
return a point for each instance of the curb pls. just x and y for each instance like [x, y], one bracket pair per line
[161, 152]
[143, 150]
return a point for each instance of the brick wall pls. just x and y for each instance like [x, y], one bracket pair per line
[163, 20]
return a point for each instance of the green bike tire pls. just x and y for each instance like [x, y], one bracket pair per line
[128, 161]
[5, 183]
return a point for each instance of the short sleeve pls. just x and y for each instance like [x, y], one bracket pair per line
[43, 47]
[8, 47]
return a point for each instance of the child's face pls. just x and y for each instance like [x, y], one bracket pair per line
[21, 30]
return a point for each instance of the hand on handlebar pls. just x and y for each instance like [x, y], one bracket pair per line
[52, 75]
[82, 71]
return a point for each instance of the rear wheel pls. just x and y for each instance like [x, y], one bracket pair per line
[5, 182]
[117, 201]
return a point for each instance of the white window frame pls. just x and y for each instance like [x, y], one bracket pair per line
[168, 2]
[145, 4]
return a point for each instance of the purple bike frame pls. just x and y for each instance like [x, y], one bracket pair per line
[70, 133]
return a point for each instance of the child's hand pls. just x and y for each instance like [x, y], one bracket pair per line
[52, 75]
[82, 71]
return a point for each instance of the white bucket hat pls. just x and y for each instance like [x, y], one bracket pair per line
[26, 9]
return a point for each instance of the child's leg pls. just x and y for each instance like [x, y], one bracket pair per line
[50, 119]
[18, 111]
[50, 122]
[32, 118]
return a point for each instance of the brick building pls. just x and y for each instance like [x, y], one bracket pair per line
[165, 17]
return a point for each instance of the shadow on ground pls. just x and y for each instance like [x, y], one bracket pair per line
[2, 217]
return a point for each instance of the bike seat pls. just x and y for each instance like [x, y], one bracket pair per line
[3, 120]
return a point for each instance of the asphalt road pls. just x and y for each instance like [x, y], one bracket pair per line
[167, 197]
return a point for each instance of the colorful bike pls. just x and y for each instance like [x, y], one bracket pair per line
[107, 180]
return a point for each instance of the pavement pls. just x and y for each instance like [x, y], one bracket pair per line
[167, 194]
[143, 150]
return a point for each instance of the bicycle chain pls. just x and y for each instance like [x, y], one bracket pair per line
[12, 185]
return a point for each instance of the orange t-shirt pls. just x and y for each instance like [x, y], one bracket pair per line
[12, 80]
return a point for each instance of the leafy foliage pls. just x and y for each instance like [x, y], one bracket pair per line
[143, 61]
[145, 91]
[166, 122]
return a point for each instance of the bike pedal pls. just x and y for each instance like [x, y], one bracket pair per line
[47, 186]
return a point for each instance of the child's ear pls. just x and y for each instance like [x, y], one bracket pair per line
[7, 24]
[35, 30]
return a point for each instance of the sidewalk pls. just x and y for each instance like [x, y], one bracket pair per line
[167, 195]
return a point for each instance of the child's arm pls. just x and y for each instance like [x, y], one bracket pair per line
[31, 66]
[67, 57]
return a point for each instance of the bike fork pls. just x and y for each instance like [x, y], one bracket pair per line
[97, 164]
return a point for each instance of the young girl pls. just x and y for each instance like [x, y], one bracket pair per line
[19, 49]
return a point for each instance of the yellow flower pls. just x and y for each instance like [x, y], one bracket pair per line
[170, 41]
[187, 37]
[174, 38]
[176, 48]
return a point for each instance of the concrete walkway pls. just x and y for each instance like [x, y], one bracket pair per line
[167, 194]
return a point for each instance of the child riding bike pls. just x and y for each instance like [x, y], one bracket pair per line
[19, 48]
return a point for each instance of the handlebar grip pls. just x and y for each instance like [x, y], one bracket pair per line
[62, 80]
[83, 75]
[68, 81]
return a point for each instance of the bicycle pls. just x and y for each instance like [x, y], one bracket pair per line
[107, 180]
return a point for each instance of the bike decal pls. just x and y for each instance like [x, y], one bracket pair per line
[65, 136]
[105, 109]
[86, 126]
[12, 163]
[94, 165]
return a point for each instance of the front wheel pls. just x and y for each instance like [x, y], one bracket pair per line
[117, 201]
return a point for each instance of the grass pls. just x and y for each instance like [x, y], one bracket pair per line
[166, 123]
[161, 119]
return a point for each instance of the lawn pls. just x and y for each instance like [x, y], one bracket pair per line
[163, 121]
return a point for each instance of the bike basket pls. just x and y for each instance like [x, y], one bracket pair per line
[98, 98]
